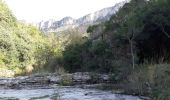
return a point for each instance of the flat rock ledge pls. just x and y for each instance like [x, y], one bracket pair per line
[51, 80]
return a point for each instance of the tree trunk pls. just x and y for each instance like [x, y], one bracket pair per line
[132, 53]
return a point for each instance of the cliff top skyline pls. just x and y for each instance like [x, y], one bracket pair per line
[38, 10]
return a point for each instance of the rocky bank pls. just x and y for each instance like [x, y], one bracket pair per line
[48, 80]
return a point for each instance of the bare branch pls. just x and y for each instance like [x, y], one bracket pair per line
[163, 30]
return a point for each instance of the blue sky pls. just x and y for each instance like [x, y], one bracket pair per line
[38, 10]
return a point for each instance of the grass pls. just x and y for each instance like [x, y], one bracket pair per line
[151, 80]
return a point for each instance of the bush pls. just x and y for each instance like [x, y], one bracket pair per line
[161, 82]
[151, 80]
[137, 82]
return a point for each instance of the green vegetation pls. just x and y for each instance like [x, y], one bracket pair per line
[133, 46]
[66, 80]
[23, 48]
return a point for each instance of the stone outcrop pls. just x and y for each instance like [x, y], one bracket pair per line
[47, 80]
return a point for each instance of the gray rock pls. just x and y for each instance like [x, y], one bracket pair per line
[68, 22]
[39, 80]
[54, 79]
[79, 76]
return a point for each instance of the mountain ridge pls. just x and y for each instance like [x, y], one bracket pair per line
[69, 22]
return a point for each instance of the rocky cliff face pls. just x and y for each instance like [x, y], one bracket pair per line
[68, 22]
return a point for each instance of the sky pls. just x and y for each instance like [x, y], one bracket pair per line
[38, 10]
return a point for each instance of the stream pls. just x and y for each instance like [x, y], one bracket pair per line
[62, 93]
[49, 87]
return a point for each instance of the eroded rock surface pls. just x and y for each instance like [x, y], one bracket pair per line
[47, 80]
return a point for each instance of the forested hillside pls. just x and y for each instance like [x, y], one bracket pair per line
[23, 47]
[133, 47]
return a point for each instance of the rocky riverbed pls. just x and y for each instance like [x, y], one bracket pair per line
[62, 93]
[41, 80]
[52, 87]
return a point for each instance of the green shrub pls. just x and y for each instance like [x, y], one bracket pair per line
[66, 80]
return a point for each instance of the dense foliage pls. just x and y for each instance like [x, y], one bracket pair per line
[23, 47]
[133, 45]
[138, 31]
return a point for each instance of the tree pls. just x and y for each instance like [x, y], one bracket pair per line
[131, 25]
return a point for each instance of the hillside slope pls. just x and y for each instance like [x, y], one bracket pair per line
[21, 45]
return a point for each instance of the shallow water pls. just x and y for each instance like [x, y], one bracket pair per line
[64, 93]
